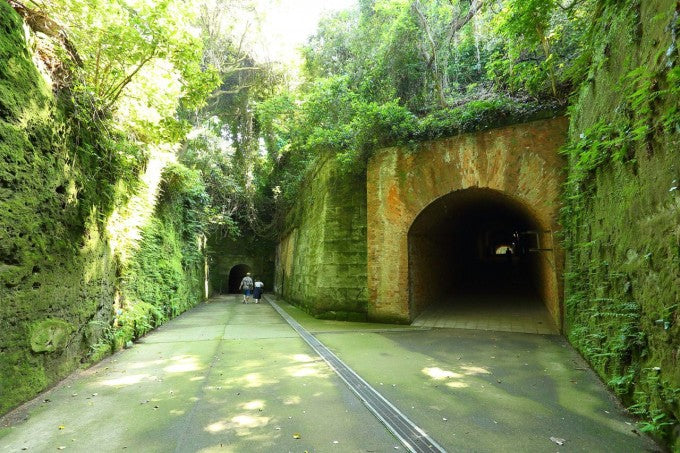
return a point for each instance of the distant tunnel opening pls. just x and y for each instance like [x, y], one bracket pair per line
[236, 274]
[476, 247]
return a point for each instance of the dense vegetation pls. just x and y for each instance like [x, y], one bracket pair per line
[387, 72]
[399, 72]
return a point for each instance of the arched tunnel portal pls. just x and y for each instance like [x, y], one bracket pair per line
[474, 254]
[440, 220]
[236, 274]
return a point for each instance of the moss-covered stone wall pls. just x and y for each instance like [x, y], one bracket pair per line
[88, 258]
[622, 210]
[321, 259]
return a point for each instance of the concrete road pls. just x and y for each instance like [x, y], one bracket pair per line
[229, 377]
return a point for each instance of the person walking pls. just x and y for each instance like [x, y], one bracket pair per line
[247, 287]
[257, 292]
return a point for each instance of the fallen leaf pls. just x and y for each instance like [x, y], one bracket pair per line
[558, 440]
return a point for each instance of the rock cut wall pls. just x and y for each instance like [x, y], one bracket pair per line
[622, 213]
[92, 254]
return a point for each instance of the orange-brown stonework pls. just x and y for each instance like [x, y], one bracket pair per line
[519, 161]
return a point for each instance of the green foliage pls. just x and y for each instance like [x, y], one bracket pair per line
[333, 117]
[206, 152]
[396, 72]
[139, 59]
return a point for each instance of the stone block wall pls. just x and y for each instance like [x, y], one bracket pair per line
[321, 259]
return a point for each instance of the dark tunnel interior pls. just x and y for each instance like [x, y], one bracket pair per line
[473, 243]
[236, 274]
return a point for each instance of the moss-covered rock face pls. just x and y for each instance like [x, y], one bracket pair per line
[63, 301]
[622, 210]
[50, 335]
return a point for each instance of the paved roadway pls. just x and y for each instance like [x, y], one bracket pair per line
[228, 377]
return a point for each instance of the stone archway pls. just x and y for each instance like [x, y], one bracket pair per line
[474, 260]
[518, 163]
[236, 274]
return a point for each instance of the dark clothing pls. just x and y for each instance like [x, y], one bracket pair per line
[257, 292]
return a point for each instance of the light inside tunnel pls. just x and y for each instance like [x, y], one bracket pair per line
[474, 243]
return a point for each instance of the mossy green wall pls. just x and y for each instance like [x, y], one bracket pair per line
[622, 210]
[77, 278]
[321, 259]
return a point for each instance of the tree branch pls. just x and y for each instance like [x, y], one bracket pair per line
[41, 22]
[461, 21]
[116, 90]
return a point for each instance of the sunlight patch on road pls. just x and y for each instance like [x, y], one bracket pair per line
[254, 380]
[303, 358]
[253, 405]
[240, 424]
[306, 370]
[440, 374]
[457, 385]
[147, 364]
[125, 380]
[474, 370]
[221, 448]
[291, 400]
[183, 364]
[453, 377]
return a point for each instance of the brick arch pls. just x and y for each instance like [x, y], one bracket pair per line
[520, 161]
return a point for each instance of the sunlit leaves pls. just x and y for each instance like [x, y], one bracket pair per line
[141, 58]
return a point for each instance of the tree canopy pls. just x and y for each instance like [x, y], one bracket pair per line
[382, 73]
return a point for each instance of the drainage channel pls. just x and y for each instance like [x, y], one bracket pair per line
[413, 437]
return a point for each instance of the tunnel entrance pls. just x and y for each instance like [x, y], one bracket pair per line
[474, 262]
[236, 274]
